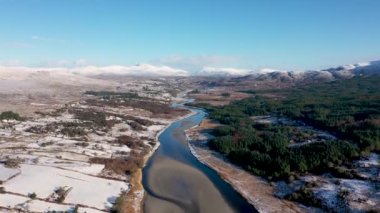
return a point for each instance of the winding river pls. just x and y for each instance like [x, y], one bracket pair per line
[175, 181]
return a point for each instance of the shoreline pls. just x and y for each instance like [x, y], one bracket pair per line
[138, 179]
[261, 197]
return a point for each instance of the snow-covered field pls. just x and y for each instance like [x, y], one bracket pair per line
[49, 160]
[45, 156]
[7, 173]
[44, 180]
[23, 203]
[342, 194]
[347, 194]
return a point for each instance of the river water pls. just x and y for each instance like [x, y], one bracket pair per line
[175, 181]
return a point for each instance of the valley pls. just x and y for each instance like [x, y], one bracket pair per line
[201, 106]
[125, 138]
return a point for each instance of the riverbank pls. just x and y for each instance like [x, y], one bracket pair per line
[255, 190]
[175, 181]
[134, 199]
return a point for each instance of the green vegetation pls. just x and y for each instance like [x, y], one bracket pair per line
[151, 106]
[173, 92]
[305, 196]
[123, 165]
[119, 202]
[90, 117]
[350, 109]
[12, 163]
[141, 121]
[72, 129]
[9, 115]
[226, 94]
[32, 195]
[76, 209]
[132, 100]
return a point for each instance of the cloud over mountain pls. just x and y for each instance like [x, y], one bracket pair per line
[136, 70]
[222, 71]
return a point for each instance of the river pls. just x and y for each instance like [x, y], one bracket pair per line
[175, 181]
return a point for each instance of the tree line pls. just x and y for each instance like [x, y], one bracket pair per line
[350, 109]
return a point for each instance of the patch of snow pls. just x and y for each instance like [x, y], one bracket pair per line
[43, 180]
[93, 169]
[11, 200]
[41, 206]
[6, 173]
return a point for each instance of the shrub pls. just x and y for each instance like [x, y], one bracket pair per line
[117, 207]
[76, 209]
[32, 195]
[304, 196]
[291, 179]
[343, 193]
[12, 163]
[73, 131]
[136, 126]
[141, 121]
[128, 165]
[61, 193]
[226, 94]
[97, 118]
[40, 129]
[131, 142]
[82, 144]
[47, 143]
[110, 94]
[9, 115]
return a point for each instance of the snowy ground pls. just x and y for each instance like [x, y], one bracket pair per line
[43, 180]
[49, 159]
[340, 194]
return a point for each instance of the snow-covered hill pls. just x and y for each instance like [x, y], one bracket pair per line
[23, 79]
[85, 75]
[348, 71]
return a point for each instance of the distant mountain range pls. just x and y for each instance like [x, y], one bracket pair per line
[351, 70]
[341, 72]
[345, 71]
[283, 79]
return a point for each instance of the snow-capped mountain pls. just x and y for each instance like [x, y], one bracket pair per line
[345, 71]
[268, 78]
[351, 70]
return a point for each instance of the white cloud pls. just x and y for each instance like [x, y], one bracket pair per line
[136, 70]
[16, 45]
[195, 63]
[64, 63]
[81, 62]
[223, 71]
[269, 70]
[11, 63]
[41, 38]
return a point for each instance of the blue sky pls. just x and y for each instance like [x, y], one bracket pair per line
[190, 34]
